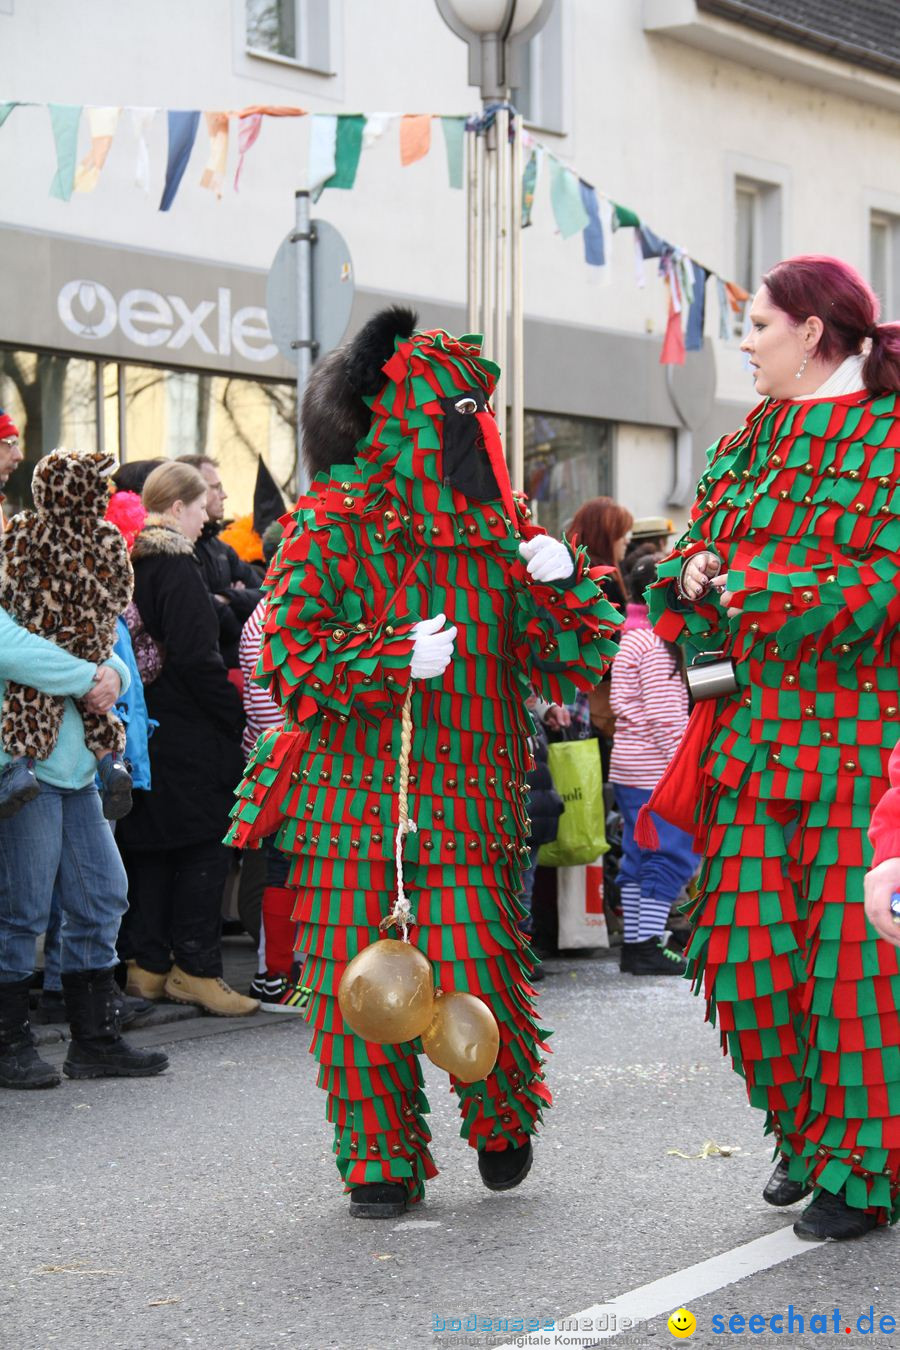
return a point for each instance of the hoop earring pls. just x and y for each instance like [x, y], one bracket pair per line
[803, 367]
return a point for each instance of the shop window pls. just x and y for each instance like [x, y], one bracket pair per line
[539, 97]
[568, 460]
[143, 412]
[296, 31]
[757, 233]
[884, 262]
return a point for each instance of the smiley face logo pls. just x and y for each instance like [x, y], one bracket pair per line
[682, 1323]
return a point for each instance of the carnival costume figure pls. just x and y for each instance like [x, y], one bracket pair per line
[800, 508]
[410, 546]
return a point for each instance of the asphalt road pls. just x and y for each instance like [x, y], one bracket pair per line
[203, 1209]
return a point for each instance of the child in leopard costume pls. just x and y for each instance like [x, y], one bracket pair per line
[65, 574]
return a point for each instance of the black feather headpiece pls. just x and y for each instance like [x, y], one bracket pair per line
[334, 415]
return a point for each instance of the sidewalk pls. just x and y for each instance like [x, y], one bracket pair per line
[239, 959]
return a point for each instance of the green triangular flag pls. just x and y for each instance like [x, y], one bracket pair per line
[347, 148]
[565, 198]
[622, 217]
[64, 119]
[454, 135]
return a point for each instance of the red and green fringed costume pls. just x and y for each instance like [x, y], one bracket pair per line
[375, 547]
[802, 506]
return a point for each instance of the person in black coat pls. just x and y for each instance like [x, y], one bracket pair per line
[233, 584]
[171, 841]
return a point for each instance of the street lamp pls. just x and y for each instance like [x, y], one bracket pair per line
[497, 32]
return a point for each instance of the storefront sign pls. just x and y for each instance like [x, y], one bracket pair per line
[124, 304]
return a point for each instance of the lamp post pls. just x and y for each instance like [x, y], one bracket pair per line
[497, 32]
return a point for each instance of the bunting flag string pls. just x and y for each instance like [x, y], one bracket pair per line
[336, 143]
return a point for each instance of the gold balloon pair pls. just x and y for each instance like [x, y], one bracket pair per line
[387, 995]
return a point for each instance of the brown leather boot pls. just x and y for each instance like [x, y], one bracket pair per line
[140, 983]
[208, 992]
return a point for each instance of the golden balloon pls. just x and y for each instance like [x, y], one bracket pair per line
[463, 1037]
[386, 994]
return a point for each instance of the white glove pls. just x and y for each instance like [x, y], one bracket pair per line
[433, 648]
[550, 559]
[697, 574]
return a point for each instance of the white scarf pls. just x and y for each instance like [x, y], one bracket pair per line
[847, 379]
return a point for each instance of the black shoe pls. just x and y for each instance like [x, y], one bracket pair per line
[378, 1200]
[18, 786]
[504, 1168]
[626, 957]
[780, 1190]
[829, 1216]
[115, 787]
[652, 958]
[130, 1010]
[20, 1064]
[97, 1050]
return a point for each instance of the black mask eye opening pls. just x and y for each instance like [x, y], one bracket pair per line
[466, 405]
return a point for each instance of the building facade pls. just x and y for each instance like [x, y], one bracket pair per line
[740, 130]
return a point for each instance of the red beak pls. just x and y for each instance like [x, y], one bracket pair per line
[497, 460]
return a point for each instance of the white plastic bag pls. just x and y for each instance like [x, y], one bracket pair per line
[579, 895]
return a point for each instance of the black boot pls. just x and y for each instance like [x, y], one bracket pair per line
[97, 1049]
[20, 1064]
[829, 1216]
[626, 957]
[780, 1190]
[115, 787]
[378, 1200]
[651, 957]
[504, 1168]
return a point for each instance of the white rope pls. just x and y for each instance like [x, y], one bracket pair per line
[401, 914]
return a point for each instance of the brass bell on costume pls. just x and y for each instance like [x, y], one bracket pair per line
[463, 1037]
[386, 994]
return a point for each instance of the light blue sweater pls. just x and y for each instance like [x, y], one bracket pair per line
[32, 660]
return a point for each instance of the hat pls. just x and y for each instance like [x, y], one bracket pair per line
[648, 527]
[8, 428]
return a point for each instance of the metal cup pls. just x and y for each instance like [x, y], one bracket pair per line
[711, 679]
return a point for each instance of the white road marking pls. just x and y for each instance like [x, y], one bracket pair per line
[603, 1321]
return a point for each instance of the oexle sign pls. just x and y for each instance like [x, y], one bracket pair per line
[124, 304]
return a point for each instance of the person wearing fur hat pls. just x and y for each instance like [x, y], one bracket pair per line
[64, 573]
[411, 576]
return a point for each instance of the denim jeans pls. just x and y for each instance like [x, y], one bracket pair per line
[59, 850]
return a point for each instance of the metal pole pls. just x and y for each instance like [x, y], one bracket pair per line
[516, 433]
[501, 244]
[488, 171]
[122, 408]
[99, 407]
[472, 222]
[304, 345]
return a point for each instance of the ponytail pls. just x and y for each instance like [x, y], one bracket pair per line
[881, 369]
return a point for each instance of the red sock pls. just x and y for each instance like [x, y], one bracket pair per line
[279, 928]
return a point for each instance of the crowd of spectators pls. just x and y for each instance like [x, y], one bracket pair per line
[141, 898]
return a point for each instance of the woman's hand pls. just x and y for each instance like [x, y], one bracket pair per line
[880, 885]
[104, 691]
[725, 595]
[697, 574]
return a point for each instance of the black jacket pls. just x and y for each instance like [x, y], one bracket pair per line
[221, 568]
[195, 753]
[545, 805]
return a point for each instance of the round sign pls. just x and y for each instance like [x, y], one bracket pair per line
[332, 291]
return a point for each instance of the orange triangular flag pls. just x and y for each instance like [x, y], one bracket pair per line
[415, 137]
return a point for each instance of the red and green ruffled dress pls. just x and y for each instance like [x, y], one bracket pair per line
[802, 505]
[374, 548]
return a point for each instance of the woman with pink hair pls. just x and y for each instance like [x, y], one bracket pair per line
[789, 570]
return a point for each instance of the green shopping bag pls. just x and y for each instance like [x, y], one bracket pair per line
[578, 778]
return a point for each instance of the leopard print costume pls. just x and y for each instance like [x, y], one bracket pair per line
[65, 574]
